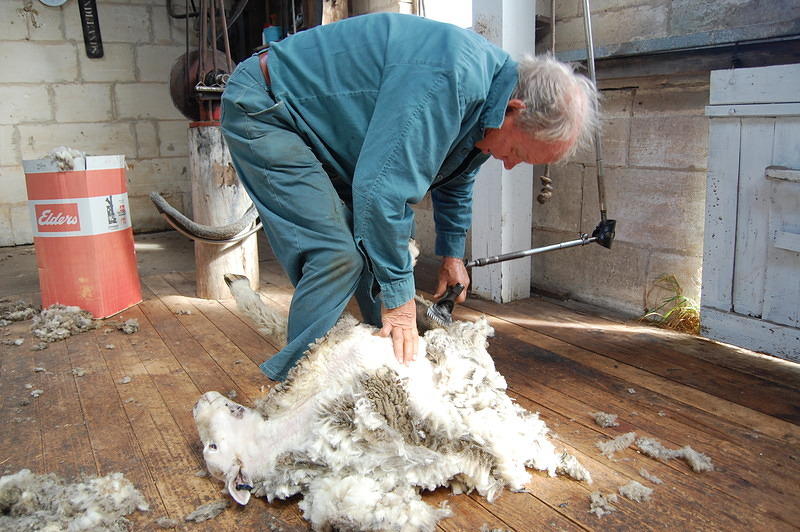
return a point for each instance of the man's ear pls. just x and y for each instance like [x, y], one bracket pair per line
[515, 104]
[238, 484]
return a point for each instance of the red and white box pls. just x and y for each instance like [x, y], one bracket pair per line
[82, 234]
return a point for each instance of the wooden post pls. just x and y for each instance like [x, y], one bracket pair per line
[333, 10]
[218, 198]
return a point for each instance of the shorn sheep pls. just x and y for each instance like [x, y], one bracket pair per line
[359, 435]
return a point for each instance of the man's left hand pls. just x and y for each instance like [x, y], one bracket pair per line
[401, 324]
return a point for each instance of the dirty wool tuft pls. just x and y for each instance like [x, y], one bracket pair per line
[30, 502]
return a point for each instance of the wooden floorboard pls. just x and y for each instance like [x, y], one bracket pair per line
[643, 347]
[741, 410]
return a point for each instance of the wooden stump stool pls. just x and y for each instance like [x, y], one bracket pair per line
[218, 198]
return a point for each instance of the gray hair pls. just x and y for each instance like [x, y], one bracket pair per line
[558, 102]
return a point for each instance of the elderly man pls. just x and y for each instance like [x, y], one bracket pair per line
[338, 130]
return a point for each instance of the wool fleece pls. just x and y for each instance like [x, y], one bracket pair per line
[360, 435]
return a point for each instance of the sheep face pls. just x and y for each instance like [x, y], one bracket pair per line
[225, 427]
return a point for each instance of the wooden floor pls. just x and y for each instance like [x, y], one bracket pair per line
[742, 410]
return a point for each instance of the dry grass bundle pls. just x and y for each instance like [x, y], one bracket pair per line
[678, 311]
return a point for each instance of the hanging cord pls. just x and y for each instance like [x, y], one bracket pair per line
[547, 182]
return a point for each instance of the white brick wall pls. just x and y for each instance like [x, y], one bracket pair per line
[118, 23]
[24, 103]
[38, 62]
[8, 146]
[83, 102]
[51, 94]
[12, 183]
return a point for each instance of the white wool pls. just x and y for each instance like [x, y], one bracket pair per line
[571, 467]
[207, 511]
[129, 326]
[359, 434]
[352, 500]
[65, 157]
[57, 322]
[31, 502]
[600, 504]
[649, 476]
[271, 323]
[635, 491]
[653, 448]
[18, 310]
[608, 448]
[605, 419]
[698, 461]
[166, 523]
[485, 528]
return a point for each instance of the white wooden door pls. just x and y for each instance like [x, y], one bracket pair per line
[751, 267]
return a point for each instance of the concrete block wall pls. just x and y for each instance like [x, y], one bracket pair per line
[655, 139]
[622, 21]
[51, 95]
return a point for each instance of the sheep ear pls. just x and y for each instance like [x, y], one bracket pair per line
[238, 485]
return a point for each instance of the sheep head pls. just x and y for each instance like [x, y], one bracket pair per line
[225, 427]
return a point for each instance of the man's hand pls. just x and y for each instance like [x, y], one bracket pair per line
[452, 271]
[401, 324]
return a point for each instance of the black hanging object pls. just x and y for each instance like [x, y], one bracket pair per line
[605, 232]
[91, 28]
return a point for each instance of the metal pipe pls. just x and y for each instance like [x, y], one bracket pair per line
[598, 141]
[485, 261]
[226, 42]
[213, 35]
[203, 38]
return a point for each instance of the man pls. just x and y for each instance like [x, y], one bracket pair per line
[355, 121]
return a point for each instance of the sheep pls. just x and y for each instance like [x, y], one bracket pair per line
[359, 434]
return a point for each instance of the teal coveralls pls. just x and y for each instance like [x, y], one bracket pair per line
[363, 117]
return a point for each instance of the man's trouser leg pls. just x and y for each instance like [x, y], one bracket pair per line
[307, 224]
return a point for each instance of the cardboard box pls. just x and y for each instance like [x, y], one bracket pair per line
[82, 234]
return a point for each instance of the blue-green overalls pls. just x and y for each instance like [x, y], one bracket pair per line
[363, 117]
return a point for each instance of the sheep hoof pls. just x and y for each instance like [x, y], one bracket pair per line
[230, 278]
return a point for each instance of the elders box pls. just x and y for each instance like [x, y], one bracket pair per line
[82, 234]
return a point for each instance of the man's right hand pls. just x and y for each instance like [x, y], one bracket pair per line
[452, 271]
[401, 324]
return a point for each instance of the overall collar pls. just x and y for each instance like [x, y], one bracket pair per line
[503, 85]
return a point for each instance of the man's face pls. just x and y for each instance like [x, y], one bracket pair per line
[512, 145]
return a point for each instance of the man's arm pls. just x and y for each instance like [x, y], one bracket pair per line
[416, 119]
[452, 215]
